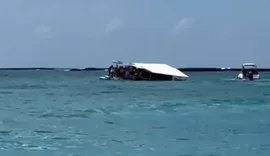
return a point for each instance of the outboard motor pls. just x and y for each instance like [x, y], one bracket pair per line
[250, 76]
[244, 72]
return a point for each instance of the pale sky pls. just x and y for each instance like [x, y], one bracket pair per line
[87, 33]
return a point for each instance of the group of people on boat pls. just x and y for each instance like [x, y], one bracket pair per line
[126, 72]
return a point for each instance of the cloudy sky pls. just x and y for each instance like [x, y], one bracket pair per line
[182, 33]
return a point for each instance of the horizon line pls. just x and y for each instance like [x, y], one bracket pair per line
[42, 67]
[195, 69]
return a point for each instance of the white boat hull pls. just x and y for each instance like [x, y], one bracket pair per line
[255, 76]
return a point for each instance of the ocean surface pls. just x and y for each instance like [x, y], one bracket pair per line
[56, 113]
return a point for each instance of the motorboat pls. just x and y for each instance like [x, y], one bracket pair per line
[249, 72]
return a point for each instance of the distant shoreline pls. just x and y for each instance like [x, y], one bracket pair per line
[100, 69]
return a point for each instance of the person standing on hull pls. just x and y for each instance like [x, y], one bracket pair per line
[110, 71]
[244, 72]
[115, 71]
[250, 76]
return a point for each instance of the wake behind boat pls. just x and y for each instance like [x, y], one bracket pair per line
[143, 72]
[106, 77]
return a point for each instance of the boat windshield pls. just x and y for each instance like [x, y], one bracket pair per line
[249, 66]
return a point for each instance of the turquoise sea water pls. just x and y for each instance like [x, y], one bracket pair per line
[58, 113]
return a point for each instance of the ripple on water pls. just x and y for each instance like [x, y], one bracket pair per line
[6, 92]
[60, 138]
[159, 127]
[63, 115]
[43, 131]
[109, 122]
[5, 132]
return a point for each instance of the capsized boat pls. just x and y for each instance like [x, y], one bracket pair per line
[146, 72]
[249, 72]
